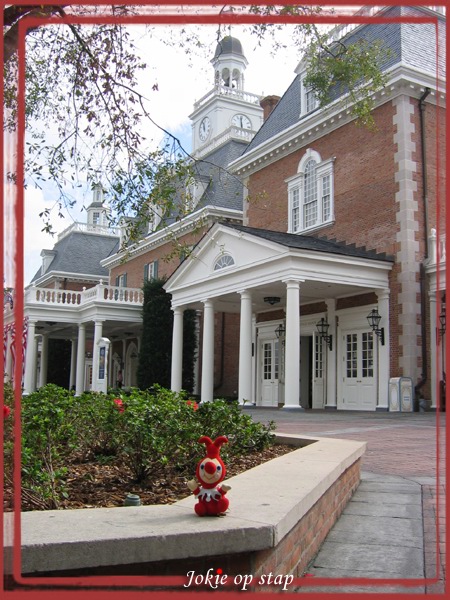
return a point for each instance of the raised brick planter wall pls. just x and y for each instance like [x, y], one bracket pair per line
[280, 514]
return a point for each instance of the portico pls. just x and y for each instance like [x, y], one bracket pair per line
[306, 278]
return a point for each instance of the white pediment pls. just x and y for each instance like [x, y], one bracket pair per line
[245, 251]
[249, 262]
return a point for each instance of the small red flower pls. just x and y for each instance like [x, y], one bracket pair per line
[119, 404]
[6, 411]
[192, 403]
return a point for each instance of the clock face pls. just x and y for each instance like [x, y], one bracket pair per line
[205, 128]
[241, 121]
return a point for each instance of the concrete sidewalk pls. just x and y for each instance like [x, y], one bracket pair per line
[389, 528]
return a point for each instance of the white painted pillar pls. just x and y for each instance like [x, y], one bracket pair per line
[81, 350]
[254, 366]
[8, 359]
[73, 362]
[207, 388]
[34, 374]
[98, 334]
[435, 347]
[124, 369]
[44, 361]
[383, 352]
[29, 383]
[292, 363]
[245, 349]
[196, 389]
[331, 381]
[176, 380]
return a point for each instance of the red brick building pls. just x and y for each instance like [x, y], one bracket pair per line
[318, 224]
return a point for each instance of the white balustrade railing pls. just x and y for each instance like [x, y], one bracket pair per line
[49, 296]
[90, 228]
[100, 293]
[222, 90]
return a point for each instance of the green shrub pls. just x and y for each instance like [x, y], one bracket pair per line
[222, 417]
[98, 423]
[49, 436]
[159, 427]
[146, 430]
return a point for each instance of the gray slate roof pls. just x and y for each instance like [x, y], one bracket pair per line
[412, 43]
[306, 242]
[81, 253]
[224, 190]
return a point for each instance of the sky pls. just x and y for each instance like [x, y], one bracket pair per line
[181, 80]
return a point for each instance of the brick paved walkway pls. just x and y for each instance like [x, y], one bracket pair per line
[401, 444]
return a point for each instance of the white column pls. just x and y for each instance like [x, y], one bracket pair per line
[197, 362]
[331, 381]
[434, 340]
[73, 363]
[254, 366]
[292, 364]
[44, 361]
[8, 359]
[207, 388]
[245, 349]
[81, 350]
[98, 333]
[176, 381]
[124, 370]
[383, 351]
[29, 382]
[34, 374]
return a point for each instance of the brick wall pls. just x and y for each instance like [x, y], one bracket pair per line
[167, 255]
[363, 182]
[291, 555]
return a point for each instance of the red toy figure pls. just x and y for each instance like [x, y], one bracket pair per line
[210, 471]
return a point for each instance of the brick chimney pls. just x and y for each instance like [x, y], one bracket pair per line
[268, 104]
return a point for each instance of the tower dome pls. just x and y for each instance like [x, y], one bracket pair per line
[229, 45]
[229, 63]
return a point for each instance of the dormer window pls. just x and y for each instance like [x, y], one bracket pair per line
[225, 260]
[310, 192]
[308, 100]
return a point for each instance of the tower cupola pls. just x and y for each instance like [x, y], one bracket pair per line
[97, 212]
[229, 63]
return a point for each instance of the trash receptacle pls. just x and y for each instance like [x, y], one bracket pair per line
[394, 394]
[400, 394]
[406, 394]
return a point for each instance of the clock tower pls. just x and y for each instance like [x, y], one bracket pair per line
[227, 112]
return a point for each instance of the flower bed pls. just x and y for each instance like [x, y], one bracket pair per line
[92, 450]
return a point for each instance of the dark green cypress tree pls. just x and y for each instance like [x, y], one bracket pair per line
[156, 345]
[155, 357]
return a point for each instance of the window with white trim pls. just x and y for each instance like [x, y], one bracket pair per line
[308, 100]
[151, 271]
[121, 280]
[310, 193]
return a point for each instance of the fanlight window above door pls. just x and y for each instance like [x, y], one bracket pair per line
[225, 260]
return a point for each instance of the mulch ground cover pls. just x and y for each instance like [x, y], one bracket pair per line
[106, 483]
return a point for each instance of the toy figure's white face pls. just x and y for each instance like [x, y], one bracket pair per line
[210, 470]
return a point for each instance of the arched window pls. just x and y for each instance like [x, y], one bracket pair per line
[311, 193]
[225, 260]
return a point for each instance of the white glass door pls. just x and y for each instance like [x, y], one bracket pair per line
[270, 371]
[358, 371]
